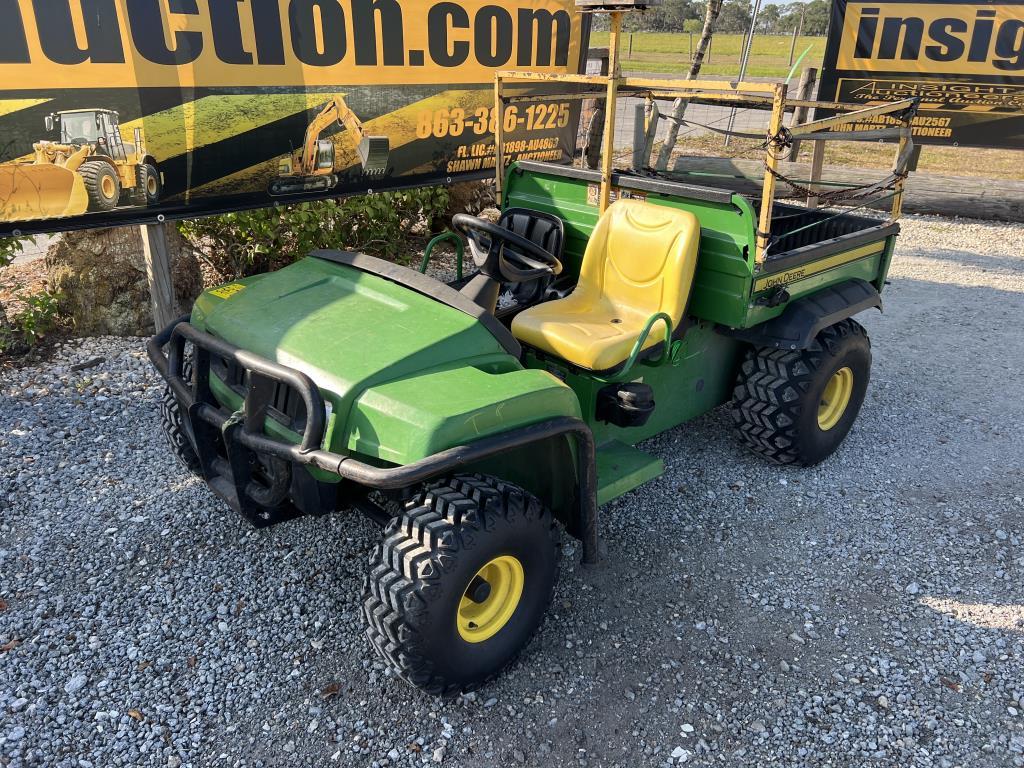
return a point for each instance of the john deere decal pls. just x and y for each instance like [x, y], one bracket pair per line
[965, 60]
[114, 111]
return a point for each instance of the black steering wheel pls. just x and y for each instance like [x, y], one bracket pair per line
[517, 259]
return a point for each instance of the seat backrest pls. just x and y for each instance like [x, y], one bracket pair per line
[544, 229]
[642, 257]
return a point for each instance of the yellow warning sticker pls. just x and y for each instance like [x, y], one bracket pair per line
[227, 291]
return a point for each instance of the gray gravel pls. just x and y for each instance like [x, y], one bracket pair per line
[866, 612]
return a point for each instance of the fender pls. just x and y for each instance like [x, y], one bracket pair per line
[804, 318]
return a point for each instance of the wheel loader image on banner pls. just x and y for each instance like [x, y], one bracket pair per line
[87, 166]
[311, 168]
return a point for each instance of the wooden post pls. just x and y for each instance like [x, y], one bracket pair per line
[158, 272]
[629, 55]
[804, 92]
[817, 161]
[593, 113]
[915, 157]
[771, 163]
[609, 111]
[897, 198]
[792, 48]
[691, 46]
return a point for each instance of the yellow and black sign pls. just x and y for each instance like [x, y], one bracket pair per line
[114, 111]
[964, 60]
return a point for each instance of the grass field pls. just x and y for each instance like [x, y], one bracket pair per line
[669, 53]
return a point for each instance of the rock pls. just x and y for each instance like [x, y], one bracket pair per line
[76, 683]
[978, 657]
[680, 755]
[912, 588]
[757, 727]
[438, 756]
[472, 197]
[101, 277]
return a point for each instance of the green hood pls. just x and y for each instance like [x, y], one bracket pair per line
[406, 375]
[345, 328]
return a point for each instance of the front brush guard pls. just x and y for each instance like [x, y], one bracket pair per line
[245, 439]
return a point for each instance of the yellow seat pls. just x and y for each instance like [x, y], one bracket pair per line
[639, 261]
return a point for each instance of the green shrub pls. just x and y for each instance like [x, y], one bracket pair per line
[11, 247]
[249, 242]
[39, 314]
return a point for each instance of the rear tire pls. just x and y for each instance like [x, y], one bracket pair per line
[101, 185]
[174, 426]
[797, 406]
[468, 535]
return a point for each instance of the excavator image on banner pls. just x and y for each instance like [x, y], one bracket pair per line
[311, 168]
[89, 167]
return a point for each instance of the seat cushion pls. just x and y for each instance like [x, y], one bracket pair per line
[639, 261]
[596, 336]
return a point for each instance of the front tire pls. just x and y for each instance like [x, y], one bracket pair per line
[460, 583]
[101, 185]
[797, 406]
[174, 426]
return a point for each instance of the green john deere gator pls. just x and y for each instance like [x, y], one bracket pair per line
[476, 419]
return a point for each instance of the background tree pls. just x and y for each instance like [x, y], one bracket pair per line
[768, 20]
[735, 17]
[711, 13]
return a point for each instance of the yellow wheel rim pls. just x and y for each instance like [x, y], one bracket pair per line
[835, 398]
[107, 186]
[497, 588]
[151, 185]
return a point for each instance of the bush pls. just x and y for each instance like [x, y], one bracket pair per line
[39, 315]
[249, 242]
[11, 247]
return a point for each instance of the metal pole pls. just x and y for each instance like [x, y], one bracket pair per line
[614, 40]
[771, 163]
[499, 138]
[744, 58]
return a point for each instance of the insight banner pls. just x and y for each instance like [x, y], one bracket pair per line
[964, 60]
[113, 111]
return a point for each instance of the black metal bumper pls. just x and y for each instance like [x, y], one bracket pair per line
[244, 437]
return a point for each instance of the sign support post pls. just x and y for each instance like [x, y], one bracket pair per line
[158, 272]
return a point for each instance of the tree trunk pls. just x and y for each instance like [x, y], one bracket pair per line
[714, 7]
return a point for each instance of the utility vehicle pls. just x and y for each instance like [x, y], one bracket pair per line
[474, 433]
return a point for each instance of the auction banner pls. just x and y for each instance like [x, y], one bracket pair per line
[115, 111]
[964, 60]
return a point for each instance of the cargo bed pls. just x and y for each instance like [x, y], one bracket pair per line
[810, 249]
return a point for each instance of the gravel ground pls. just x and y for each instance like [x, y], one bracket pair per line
[866, 612]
